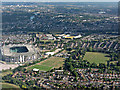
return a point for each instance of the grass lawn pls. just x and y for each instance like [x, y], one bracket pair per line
[8, 85]
[96, 57]
[41, 67]
[46, 65]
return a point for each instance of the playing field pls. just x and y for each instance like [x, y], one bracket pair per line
[46, 65]
[96, 57]
[8, 85]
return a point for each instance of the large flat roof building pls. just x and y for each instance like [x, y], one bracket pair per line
[18, 52]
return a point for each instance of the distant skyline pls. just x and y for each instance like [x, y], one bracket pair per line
[60, 0]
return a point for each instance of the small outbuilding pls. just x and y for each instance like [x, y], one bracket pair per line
[35, 70]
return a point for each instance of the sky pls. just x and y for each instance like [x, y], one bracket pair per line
[60, 0]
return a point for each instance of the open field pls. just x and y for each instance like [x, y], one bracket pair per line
[46, 65]
[8, 85]
[41, 67]
[96, 57]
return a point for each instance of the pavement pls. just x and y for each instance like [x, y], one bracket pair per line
[7, 66]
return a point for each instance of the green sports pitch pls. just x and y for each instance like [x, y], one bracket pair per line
[46, 65]
[96, 57]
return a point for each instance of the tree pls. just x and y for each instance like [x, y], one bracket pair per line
[75, 73]
[71, 67]
[93, 65]
[102, 65]
[90, 49]
[118, 64]
[23, 86]
[108, 63]
[112, 65]
[79, 58]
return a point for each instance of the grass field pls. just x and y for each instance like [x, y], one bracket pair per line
[96, 57]
[46, 65]
[52, 41]
[8, 85]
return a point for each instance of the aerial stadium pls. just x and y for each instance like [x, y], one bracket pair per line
[18, 53]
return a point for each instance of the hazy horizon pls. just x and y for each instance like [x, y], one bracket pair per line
[60, 1]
